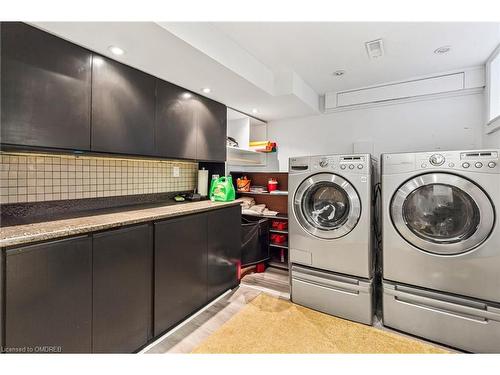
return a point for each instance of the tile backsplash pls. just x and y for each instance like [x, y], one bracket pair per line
[26, 177]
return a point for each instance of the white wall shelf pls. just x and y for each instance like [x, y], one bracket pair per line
[245, 129]
[240, 157]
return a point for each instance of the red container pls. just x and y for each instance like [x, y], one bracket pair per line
[278, 238]
[279, 225]
[272, 184]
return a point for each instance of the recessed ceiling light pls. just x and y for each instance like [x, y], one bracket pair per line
[339, 73]
[255, 110]
[186, 95]
[442, 50]
[116, 50]
[206, 90]
[97, 60]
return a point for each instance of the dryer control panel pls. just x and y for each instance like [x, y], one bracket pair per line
[480, 161]
[484, 161]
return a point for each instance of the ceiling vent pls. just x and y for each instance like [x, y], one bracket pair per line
[375, 49]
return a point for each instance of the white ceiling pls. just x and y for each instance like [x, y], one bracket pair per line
[316, 50]
[282, 68]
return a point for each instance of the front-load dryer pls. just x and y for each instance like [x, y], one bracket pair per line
[330, 234]
[441, 246]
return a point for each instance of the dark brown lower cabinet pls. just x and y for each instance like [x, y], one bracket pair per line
[48, 297]
[180, 269]
[122, 289]
[2, 304]
[112, 292]
[224, 245]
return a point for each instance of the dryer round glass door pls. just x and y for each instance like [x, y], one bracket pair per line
[327, 206]
[442, 213]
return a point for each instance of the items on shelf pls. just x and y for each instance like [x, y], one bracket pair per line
[222, 189]
[278, 238]
[279, 257]
[279, 225]
[282, 256]
[263, 199]
[231, 142]
[263, 146]
[279, 192]
[243, 184]
[258, 189]
[246, 202]
[272, 184]
[248, 207]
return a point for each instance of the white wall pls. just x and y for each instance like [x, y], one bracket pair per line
[445, 123]
[492, 140]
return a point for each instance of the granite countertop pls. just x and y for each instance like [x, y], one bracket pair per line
[101, 220]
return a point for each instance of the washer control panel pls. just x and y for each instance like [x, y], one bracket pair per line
[347, 163]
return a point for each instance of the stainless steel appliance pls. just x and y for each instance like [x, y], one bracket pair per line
[441, 246]
[330, 236]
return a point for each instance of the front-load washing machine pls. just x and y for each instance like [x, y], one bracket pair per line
[330, 234]
[441, 246]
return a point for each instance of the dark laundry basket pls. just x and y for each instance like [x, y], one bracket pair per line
[254, 240]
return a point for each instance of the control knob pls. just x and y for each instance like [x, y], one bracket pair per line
[436, 159]
[323, 163]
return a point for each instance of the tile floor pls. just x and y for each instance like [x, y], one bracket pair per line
[188, 335]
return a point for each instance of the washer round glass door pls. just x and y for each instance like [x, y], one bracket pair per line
[442, 213]
[327, 206]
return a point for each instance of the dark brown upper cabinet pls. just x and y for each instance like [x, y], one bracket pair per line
[45, 89]
[189, 126]
[175, 127]
[123, 108]
[211, 124]
[55, 94]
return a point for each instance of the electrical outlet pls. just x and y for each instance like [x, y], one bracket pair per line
[176, 172]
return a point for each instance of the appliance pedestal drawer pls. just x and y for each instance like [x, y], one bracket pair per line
[463, 323]
[342, 296]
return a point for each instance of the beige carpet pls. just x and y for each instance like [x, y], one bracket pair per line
[272, 325]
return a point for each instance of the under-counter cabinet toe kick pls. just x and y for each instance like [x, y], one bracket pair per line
[114, 291]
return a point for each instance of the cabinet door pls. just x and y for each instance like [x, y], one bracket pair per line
[211, 120]
[45, 89]
[180, 269]
[175, 127]
[122, 289]
[123, 100]
[48, 297]
[224, 245]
